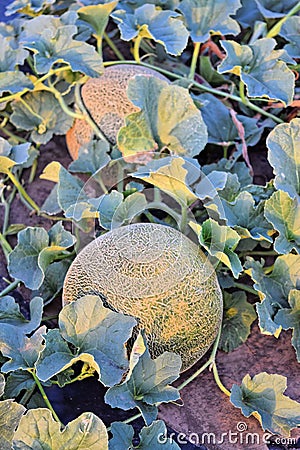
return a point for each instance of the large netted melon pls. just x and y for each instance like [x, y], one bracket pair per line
[159, 276]
[105, 99]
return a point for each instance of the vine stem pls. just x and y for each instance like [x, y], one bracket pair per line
[22, 191]
[43, 393]
[277, 27]
[114, 48]
[9, 288]
[36, 83]
[86, 116]
[183, 220]
[194, 60]
[5, 246]
[136, 48]
[202, 87]
[246, 288]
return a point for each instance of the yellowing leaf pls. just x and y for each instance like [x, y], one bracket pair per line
[51, 172]
[264, 394]
[171, 179]
[5, 164]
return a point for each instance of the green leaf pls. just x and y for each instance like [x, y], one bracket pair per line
[54, 277]
[220, 241]
[41, 113]
[153, 437]
[283, 213]
[91, 158]
[242, 215]
[38, 429]
[19, 154]
[35, 251]
[10, 416]
[261, 68]
[290, 318]
[108, 204]
[274, 289]
[290, 30]
[147, 385]
[11, 315]
[202, 17]
[14, 82]
[2, 384]
[168, 118]
[208, 186]
[237, 320]
[264, 394]
[170, 178]
[125, 212]
[60, 47]
[18, 381]
[275, 9]
[22, 351]
[10, 58]
[27, 5]
[98, 335]
[122, 436]
[284, 156]
[214, 113]
[150, 22]
[97, 16]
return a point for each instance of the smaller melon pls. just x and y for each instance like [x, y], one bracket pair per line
[106, 101]
[159, 276]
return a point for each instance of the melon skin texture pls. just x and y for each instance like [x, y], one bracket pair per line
[159, 276]
[106, 101]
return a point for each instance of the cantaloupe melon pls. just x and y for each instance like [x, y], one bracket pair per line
[159, 276]
[106, 101]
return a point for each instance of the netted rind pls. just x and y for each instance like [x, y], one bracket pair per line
[106, 101]
[160, 277]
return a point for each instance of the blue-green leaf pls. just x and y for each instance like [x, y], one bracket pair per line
[284, 214]
[274, 289]
[220, 241]
[164, 27]
[284, 156]
[22, 351]
[94, 331]
[168, 118]
[261, 68]
[14, 82]
[60, 47]
[242, 215]
[42, 114]
[271, 9]
[91, 158]
[10, 314]
[264, 395]
[27, 5]
[290, 318]
[153, 437]
[38, 429]
[36, 249]
[290, 30]
[202, 17]
[237, 320]
[147, 385]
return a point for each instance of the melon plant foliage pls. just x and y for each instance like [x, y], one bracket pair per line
[233, 72]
